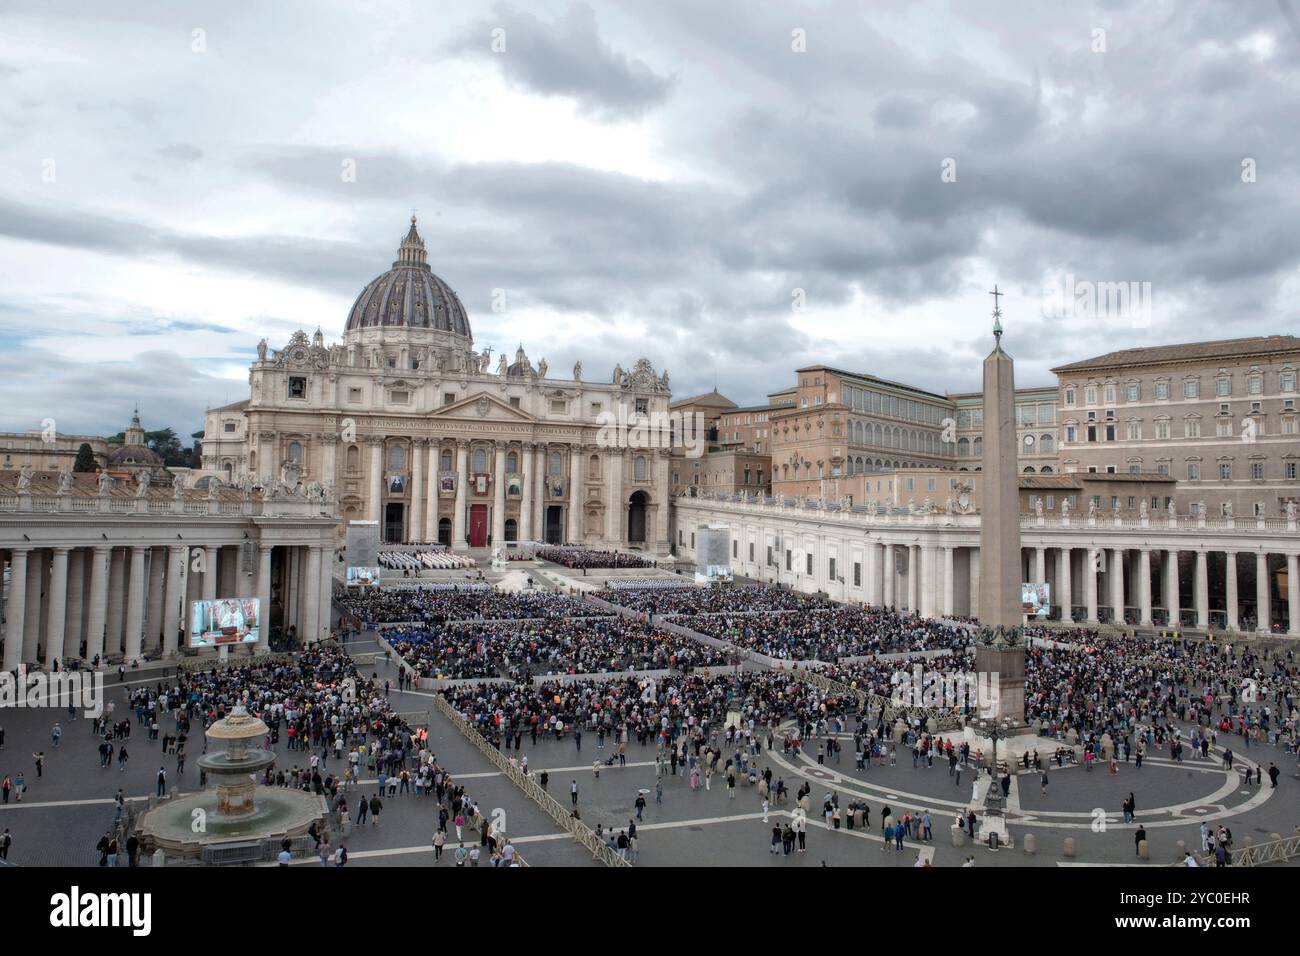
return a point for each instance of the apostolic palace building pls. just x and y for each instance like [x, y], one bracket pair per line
[418, 431]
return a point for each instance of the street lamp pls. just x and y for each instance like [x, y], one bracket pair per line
[995, 729]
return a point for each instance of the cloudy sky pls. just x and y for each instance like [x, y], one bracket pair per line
[731, 189]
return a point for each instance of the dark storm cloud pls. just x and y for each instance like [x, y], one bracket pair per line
[566, 57]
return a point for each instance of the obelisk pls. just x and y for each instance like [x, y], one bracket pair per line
[999, 652]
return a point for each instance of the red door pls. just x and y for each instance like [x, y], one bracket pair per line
[478, 526]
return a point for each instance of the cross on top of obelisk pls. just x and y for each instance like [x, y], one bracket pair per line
[997, 314]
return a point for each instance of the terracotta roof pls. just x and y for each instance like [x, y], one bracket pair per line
[1045, 482]
[1144, 476]
[875, 379]
[1191, 351]
[708, 398]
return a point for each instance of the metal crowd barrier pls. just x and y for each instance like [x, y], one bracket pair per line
[943, 721]
[550, 806]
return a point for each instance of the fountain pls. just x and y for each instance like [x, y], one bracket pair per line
[238, 811]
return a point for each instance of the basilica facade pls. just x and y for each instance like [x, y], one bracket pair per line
[406, 424]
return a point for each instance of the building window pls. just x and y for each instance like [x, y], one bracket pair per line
[639, 468]
[1223, 427]
[354, 395]
[808, 564]
[297, 386]
[1192, 428]
[554, 469]
[399, 397]
[448, 398]
[1109, 392]
[1255, 384]
[228, 427]
[1162, 468]
[559, 406]
[515, 401]
[295, 452]
[1192, 388]
[444, 462]
[1257, 470]
[1193, 471]
[1134, 431]
[1162, 430]
[1133, 392]
[1162, 390]
[1069, 398]
[831, 570]
[1286, 381]
[1223, 386]
[751, 552]
[1225, 471]
[480, 460]
[512, 463]
[1090, 395]
[643, 406]
[1289, 470]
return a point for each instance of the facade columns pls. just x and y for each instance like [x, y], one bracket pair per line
[434, 453]
[914, 578]
[462, 482]
[311, 629]
[1040, 565]
[1202, 590]
[264, 597]
[1090, 585]
[575, 495]
[211, 557]
[96, 614]
[891, 576]
[416, 522]
[173, 597]
[1064, 595]
[153, 606]
[135, 606]
[1116, 578]
[614, 501]
[1293, 595]
[1173, 599]
[56, 622]
[973, 576]
[1230, 590]
[76, 604]
[1263, 603]
[949, 595]
[927, 582]
[499, 496]
[539, 493]
[872, 569]
[661, 465]
[377, 482]
[16, 611]
[1144, 586]
[526, 492]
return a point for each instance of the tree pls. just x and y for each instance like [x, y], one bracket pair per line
[85, 462]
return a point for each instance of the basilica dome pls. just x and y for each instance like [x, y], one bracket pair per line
[409, 296]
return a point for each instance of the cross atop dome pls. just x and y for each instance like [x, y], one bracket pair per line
[411, 251]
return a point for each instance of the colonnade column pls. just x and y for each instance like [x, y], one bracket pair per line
[526, 492]
[17, 608]
[973, 576]
[377, 481]
[539, 489]
[949, 590]
[1144, 586]
[1064, 595]
[662, 457]
[1263, 602]
[1293, 595]
[264, 597]
[431, 492]
[614, 499]
[575, 494]
[891, 574]
[158, 566]
[914, 578]
[1172, 597]
[211, 557]
[76, 603]
[173, 598]
[1116, 577]
[1040, 565]
[872, 569]
[462, 481]
[135, 606]
[927, 582]
[1230, 590]
[416, 524]
[96, 614]
[499, 496]
[1202, 590]
[58, 616]
[1090, 585]
[311, 630]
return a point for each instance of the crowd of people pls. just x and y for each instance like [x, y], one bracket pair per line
[438, 606]
[577, 557]
[521, 650]
[691, 601]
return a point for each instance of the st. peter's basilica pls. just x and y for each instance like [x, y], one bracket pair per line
[409, 426]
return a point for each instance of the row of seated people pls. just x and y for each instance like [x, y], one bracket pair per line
[827, 632]
[522, 650]
[692, 601]
[431, 560]
[578, 557]
[687, 711]
[439, 605]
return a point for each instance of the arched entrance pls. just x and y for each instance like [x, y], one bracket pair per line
[444, 531]
[394, 515]
[636, 517]
[512, 529]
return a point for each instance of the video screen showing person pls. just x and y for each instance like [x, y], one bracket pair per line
[225, 621]
[363, 576]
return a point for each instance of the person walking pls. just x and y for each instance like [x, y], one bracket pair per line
[162, 781]
[439, 840]
[1138, 838]
[573, 792]
[39, 757]
[376, 805]
[1042, 780]
[6, 841]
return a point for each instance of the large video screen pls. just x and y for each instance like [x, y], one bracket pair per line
[1035, 599]
[712, 555]
[225, 621]
[363, 575]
